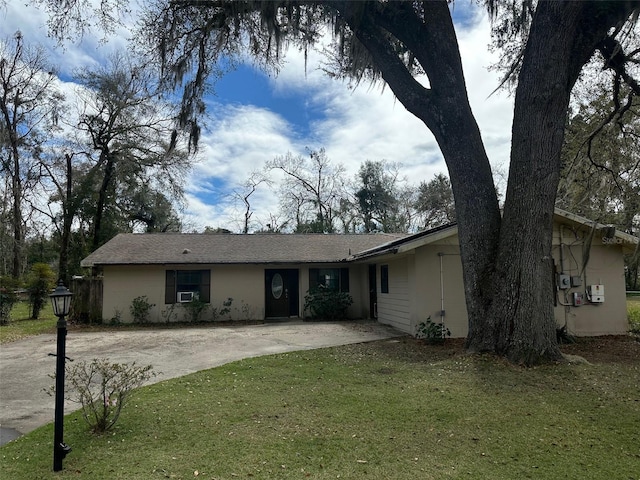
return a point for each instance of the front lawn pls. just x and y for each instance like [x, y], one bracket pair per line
[21, 326]
[393, 409]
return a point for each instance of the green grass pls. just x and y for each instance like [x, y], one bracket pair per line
[382, 410]
[21, 326]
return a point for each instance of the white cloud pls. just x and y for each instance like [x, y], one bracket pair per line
[357, 125]
[82, 52]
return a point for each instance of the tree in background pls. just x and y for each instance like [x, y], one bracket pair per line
[379, 197]
[59, 184]
[134, 143]
[245, 191]
[601, 168]
[311, 190]
[435, 205]
[149, 208]
[29, 106]
[376, 200]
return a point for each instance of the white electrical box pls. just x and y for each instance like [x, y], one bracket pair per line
[596, 293]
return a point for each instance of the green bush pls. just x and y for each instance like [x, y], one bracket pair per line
[39, 286]
[431, 332]
[195, 309]
[140, 308]
[325, 303]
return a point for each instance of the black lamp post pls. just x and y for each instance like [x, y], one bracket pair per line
[61, 302]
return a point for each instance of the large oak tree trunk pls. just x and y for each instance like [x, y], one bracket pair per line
[563, 37]
[507, 263]
[445, 110]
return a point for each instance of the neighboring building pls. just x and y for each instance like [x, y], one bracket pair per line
[400, 280]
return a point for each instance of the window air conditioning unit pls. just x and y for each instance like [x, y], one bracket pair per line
[185, 297]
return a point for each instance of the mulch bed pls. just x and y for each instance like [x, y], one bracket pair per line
[609, 349]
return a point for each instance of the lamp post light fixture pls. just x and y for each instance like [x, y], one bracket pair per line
[61, 302]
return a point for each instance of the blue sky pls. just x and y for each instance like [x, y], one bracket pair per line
[254, 117]
[248, 86]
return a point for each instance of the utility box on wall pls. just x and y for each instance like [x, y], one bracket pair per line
[564, 281]
[595, 293]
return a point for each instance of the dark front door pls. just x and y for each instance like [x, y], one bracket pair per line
[281, 292]
[373, 292]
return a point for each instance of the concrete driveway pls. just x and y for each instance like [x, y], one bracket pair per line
[26, 364]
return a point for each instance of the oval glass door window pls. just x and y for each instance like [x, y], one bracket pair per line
[277, 286]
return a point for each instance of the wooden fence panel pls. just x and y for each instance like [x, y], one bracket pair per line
[86, 305]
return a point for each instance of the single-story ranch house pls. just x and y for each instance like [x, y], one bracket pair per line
[400, 280]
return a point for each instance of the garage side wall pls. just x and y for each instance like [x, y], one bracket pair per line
[394, 306]
[605, 267]
[440, 288]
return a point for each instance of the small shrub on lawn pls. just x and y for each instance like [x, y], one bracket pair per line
[325, 303]
[103, 389]
[140, 308]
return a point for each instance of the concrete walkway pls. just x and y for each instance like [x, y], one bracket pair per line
[25, 365]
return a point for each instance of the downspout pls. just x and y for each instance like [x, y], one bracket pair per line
[441, 255]
[442, 312]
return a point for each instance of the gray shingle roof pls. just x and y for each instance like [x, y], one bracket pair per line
[180, 248]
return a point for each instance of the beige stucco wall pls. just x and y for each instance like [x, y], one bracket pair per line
[441, 291]
[243, 283]
[359, 290]
[605, 266]
[122, 284]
